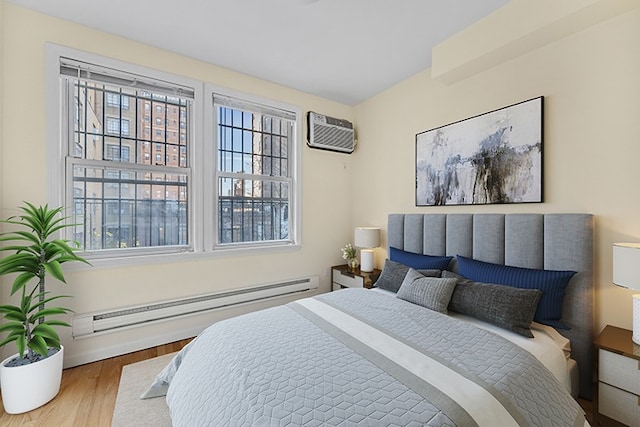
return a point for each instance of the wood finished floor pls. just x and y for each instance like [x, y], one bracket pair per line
[88, 393]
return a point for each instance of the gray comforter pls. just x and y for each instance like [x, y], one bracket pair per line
[357, 357]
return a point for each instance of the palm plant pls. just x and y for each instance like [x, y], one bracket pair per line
[35, 254]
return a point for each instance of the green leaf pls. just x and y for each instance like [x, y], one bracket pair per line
[21, 344]
[38, 344]
[17, 327]
[62, 245]
[45, 331]
[46, 301]
[18, 317]
[51, 311]
[13, 337]
[52, 343]
[10, 309]
[18, 262]
[54, 322]
[24, 236]
[25, 303]
[55, 270]
[21, 281]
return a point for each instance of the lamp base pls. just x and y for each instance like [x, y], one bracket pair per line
[636, 319]
[366, 260]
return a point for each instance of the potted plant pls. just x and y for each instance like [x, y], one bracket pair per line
[31, 377]
[349, 253]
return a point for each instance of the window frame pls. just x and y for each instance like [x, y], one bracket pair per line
[202, 153]
[293, 158]
[211, 152]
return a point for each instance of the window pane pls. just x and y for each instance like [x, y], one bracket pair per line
[126, 117]
[253, 210]
[254, 143]
[115, 208]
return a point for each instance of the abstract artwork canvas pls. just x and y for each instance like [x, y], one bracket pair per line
[491, 158]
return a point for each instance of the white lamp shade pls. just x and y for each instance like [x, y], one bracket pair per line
[626, 265]
[366, 237]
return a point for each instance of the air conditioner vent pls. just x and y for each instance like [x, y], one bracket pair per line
[329, 133]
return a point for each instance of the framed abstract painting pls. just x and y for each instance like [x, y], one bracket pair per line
[495, 157]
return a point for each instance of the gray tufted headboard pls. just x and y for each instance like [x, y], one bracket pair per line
[549, 241]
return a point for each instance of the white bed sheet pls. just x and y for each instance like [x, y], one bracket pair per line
[548, 346]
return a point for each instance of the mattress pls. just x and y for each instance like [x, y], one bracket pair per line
[357, 357]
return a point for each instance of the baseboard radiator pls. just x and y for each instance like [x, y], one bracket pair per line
[90, 324]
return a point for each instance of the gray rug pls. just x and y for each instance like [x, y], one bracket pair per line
[130, 410]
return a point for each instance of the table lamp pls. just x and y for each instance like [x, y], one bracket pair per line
[366, 238]
[626, 273]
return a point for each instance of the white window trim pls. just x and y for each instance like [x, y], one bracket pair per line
[203, 192]
[295, 153]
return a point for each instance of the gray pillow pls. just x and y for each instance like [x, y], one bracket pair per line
[410, 277]
[504, 306]
[430, 272]
[392, 275]
[430, 292]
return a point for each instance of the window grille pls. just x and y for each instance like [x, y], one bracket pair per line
[135, 149]
[254, 173]
[120, 198]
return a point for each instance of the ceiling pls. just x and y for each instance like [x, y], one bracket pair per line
[343, 50]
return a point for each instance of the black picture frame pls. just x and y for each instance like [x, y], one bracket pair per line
[492, 158]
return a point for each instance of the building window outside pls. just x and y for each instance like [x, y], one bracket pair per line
[115, 100]
[117, 127]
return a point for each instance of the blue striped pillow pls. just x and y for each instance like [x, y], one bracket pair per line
[552, 283]
[419, 261]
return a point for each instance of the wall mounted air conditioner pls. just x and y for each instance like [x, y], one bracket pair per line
[329, 133]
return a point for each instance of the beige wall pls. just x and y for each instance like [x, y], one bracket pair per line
[2, 41]
[591, 138]
[325, 197]
[592, 121]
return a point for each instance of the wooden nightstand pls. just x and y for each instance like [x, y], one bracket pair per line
[618, 366]
[343, 277]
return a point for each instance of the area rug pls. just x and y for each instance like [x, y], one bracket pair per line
[130, 410]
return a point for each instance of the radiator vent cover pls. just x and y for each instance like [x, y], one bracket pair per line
[90, 324]
[329, 133]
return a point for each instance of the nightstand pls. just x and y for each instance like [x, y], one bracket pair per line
[618, 365]
[343, 277]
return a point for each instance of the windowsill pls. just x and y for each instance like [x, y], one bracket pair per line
[177, 257]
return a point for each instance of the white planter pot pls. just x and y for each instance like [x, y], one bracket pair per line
[28, 387]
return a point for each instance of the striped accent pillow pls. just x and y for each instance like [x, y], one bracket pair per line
[433, 293]
[419, 261]
[552, 283]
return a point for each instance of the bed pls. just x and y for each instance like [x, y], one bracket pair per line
[362, 357]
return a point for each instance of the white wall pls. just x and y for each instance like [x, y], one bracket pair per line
[325, 197]
[591, 138]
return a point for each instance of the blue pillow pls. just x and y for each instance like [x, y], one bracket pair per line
[552, 283]
[419, 261]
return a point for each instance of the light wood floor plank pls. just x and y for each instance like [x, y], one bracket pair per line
[87, 394]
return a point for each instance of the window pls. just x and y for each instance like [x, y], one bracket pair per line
[116, 100]
[116, 127]
[112, 179]
[254, 178]
[129, 182]
[117, 153]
